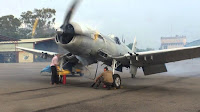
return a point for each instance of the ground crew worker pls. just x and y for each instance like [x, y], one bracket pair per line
[54, 63]
[106, 77]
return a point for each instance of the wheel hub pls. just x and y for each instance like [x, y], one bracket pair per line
[117, 81]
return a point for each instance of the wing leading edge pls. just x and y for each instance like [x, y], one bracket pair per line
[67, 57]
[40, 52]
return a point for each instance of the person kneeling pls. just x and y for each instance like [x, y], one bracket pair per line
[106, 78]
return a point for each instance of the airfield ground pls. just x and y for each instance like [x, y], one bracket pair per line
[23, 88]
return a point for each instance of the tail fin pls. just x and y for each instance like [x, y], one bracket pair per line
[133, 69]
[134, 45]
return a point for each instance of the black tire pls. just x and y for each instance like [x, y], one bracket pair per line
[116, 81]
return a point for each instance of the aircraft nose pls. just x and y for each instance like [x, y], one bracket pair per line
[66, 34]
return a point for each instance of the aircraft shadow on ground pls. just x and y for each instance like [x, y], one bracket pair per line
[157, 87]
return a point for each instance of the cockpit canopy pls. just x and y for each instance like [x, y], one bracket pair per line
[117, 41]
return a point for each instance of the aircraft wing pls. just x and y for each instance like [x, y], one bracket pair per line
[160, 56]
[47, 54]
[155, 60]
[40, 52]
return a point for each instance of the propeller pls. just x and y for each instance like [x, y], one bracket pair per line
[70, 13]
[67, 31]
[67, 28]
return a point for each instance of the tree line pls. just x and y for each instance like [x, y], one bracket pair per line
[140, 50]
[22, 27]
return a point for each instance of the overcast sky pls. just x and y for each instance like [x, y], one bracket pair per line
[148, 20]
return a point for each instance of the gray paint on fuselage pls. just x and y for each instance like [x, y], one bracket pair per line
[87, 47]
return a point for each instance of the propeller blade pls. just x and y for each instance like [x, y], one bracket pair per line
[34, 27]
[61, 63]
[67, 31]
[70, 12]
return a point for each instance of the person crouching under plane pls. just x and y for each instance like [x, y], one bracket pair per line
[54, 63]
[106, 78]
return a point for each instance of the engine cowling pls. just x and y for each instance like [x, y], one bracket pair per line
[67, 33]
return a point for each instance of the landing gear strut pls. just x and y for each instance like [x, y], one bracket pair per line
[132, 76]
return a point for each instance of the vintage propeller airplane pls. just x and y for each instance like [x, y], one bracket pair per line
[87, 47]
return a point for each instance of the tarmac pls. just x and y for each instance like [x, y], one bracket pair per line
[24, 89]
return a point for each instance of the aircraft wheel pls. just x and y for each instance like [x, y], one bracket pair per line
[116, 81]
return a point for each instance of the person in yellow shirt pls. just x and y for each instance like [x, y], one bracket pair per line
[106, 78]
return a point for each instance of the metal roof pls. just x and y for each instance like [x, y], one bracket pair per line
[35, 40]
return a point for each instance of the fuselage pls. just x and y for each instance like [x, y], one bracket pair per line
[94, 46]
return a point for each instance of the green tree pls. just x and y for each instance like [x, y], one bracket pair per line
[45, 25]
[24, 33]
[9, 26]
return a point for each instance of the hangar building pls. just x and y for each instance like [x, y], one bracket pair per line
[173, 42]
[9, 53]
